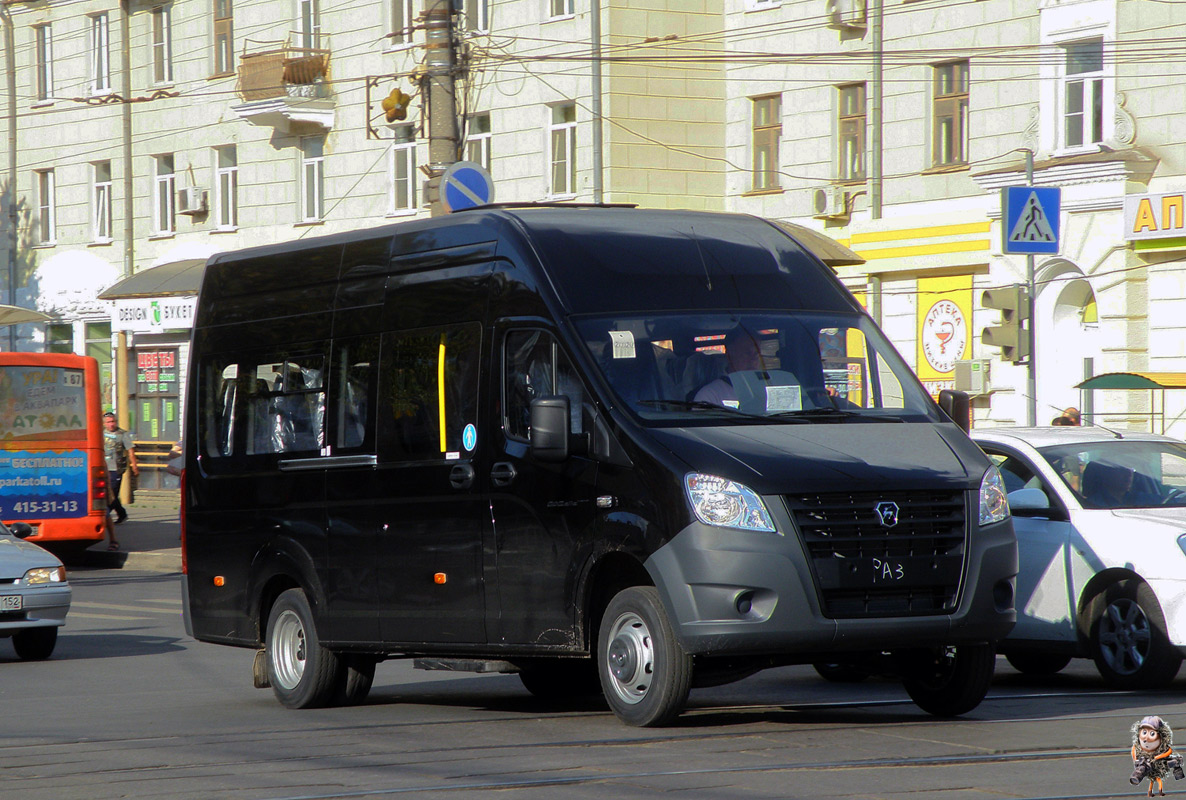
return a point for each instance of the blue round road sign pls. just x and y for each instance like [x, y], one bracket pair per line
[466, 184]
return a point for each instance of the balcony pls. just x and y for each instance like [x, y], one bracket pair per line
[286, 88]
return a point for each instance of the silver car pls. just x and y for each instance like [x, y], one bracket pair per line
[34, 593]
[1100, 518]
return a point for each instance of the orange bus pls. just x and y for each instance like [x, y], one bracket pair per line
[52, 471]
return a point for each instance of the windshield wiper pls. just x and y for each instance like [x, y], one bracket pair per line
[695, 405]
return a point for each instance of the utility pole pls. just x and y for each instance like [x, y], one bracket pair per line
[442, 96]
[876, 98]
[13, 215]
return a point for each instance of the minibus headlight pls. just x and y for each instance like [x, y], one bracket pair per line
[725, 504]
[45, 575]
[994, 500]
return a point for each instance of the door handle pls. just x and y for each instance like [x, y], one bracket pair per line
[503, 474]
[461, 476]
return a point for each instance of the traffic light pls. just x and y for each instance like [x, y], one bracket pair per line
[1010, 336]
[396, 105]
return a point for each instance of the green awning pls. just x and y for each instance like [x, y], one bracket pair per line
[1136, 380]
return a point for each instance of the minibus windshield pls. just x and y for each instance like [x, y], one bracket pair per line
[724, 369]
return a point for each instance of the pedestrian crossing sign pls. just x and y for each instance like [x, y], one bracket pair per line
[1030, 219]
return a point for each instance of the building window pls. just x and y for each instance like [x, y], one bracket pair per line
[46, 222]
[560, 8]
[59, 337]
[563, 138]
[162, 45]
[308, 24]
[226, 186]
[851, 127]
[224, 30]
[312, 178]
[101, 202]
[477, 140]
[403, 170]
[402, 15]
[477, 15]
[100, 69]
[164, 181]
[950, 136]
[44, 78]
[1083, 93]
[767, 129]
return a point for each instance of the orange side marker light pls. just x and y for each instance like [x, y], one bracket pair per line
[439, 578]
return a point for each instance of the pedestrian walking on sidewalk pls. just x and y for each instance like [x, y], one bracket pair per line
[120, 450]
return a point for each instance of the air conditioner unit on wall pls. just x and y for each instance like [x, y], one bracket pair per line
[847, 14]
[971, 376]
[191, 200]
[829, 202]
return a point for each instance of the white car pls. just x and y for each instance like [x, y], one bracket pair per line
[1100, 518]
[34, 594]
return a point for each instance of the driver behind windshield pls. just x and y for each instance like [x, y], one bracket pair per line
[743, 353]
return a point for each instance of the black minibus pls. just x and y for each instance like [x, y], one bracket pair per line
[610, 449]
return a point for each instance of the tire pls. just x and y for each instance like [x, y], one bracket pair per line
[951, 681]
[645, 675]
[562, 679]
[1128, 640]
[303, 674]
[1035, 663]
[358, 675]
[35, 644]
[840, 673]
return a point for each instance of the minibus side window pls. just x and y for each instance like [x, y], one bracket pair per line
[285, 405]
[534, 367]
[429, 392]
[356, 364]
[217, 415]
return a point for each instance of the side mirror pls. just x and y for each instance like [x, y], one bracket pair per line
[549, 428]
[21, 530]
[1032, 501]
[958, 406]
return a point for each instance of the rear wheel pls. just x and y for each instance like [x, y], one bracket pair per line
[951, 681]
[35, 644]
[303, 674]
[1033, 663]
[1128, 639]
[358, 675]
[645, 675]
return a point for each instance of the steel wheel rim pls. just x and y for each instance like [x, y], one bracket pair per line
[630, 658]
[1125, 637]
[288, 649]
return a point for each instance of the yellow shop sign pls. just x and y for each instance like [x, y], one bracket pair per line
[1154, 216]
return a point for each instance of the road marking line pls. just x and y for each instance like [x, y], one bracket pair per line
[112, 607]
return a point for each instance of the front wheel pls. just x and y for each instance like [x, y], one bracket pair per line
[1128, 640]
[645, 674]
[951, 681]
[35, 644]
[303, 674]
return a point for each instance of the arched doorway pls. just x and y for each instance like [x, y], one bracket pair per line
[1067, 334]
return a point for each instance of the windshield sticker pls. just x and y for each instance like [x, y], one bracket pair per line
[469, 437]
[623, 343]
[784, 398]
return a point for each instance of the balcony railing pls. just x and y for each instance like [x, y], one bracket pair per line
[284, 72]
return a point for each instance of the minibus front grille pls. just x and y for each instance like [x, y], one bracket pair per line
[883, 554]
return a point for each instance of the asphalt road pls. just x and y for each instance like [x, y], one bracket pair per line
[129, 707]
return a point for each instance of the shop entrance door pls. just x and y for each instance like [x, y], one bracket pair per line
[156, 414]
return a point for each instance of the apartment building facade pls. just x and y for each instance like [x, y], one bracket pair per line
[148, 133]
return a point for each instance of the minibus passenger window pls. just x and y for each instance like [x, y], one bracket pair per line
[217, 416]
[286, 406]
[427, 377]
[357, 365]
